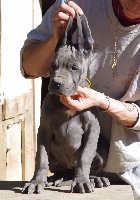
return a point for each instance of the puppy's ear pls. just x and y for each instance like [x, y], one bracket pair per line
[67, 35]
[85, 40]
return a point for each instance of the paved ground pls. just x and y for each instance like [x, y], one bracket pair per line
[12, 191]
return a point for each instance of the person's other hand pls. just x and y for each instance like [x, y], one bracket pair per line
[83, 99]
[61, 17]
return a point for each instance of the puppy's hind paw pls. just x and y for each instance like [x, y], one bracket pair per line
[99, 182]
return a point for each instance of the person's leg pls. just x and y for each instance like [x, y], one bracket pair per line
[132, 177]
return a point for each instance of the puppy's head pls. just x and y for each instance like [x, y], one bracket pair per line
[70, 64]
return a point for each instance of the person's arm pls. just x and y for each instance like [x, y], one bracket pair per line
[36, 58]
[125, 113]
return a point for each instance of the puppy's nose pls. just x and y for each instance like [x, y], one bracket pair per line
[57, 85]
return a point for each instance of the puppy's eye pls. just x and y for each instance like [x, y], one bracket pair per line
[74, 68]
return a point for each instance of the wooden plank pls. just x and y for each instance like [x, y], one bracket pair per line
[2, 150]
[17, 154]
[16, 106]
[17, 111]
[13, 164]
[28, 147]
[23, 126]
[10, 152]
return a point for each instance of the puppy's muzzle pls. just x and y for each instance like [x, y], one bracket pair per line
[56, 87]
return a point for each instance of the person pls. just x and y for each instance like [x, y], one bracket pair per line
[114, 73]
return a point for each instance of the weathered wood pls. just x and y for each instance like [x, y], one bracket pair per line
[17, 151]
[16, 106]
[10, 149]
[14, 164]
[28, 148]
[2, 150]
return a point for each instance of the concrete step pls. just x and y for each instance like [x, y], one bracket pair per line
[11, 190]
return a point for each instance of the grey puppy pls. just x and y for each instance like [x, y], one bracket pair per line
[67, 140]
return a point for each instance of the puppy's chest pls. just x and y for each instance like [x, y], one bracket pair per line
[61, 116]
[66, 124]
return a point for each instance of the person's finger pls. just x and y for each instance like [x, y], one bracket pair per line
[82, 91]
[66, 9]
[75, 7]
[75, 96]
[61, 16]
[70, 103]
[66, 100]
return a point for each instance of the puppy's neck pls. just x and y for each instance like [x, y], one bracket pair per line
[86, 83]
[70, 113]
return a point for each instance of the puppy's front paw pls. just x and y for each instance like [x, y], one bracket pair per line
[37, 184]
[33, 187]
[82, 186]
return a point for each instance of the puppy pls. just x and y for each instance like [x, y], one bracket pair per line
[67, 140]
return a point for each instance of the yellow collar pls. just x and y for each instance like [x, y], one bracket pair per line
[89, 83]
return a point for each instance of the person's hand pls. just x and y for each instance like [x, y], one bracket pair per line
[83, 99]
[61, 17]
